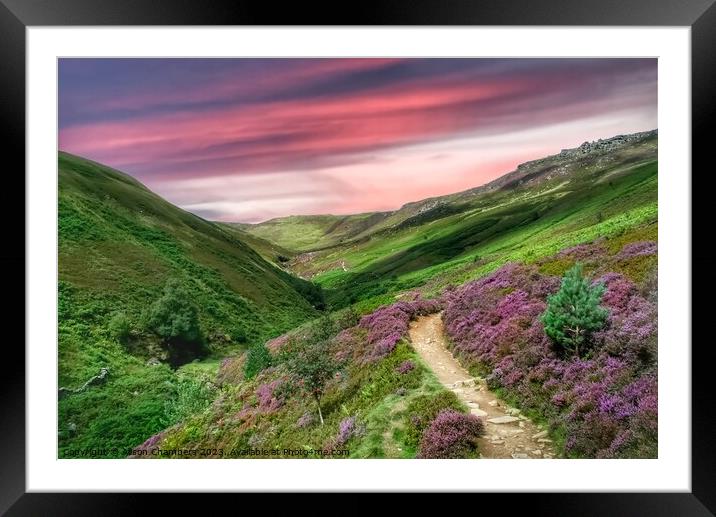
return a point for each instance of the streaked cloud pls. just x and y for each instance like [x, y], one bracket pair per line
[250, 139]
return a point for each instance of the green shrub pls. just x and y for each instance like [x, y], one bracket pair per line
[556, 266]
[174, 315]
[192, 396]
[636, 269]
[239, 335]
[573, 313]
[347, 318]
[119, 327]
[323, 329]
[175, 318]
[258, 358]
[423, 410]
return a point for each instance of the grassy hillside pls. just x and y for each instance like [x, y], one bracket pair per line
[270, 251]
[119, 244]
[310, 232]
[550, 204]
[383, 397]
[375, 406]
[602, 200]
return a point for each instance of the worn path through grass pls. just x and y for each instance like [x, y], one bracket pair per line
[508, 434]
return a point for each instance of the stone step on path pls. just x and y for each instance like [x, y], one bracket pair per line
[503, 419]
[508, 433]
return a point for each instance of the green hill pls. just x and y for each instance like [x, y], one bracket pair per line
[599, 188]
[119, 245]
[310, 232]
[614, 156]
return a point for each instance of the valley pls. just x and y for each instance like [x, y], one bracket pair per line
[206, 328]
[533, 212]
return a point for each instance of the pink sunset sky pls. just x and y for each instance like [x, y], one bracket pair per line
[248, 140]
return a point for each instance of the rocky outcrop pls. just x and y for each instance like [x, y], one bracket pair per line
[599, 153]
[92, 381]
[605, 145]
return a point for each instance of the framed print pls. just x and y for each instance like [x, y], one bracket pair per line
[442, 248]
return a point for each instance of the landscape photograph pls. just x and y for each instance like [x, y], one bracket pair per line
[357, 258]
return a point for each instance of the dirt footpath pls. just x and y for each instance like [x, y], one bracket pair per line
[508, 434]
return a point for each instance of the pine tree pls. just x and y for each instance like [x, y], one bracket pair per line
[573, 313]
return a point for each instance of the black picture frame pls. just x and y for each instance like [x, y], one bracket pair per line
[17, 15]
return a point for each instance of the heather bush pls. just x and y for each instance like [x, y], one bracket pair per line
[405, 367]
[423, 409]
[351, 343]
[422, 307]
[305, 420]
[491, 318]
[604, 405]
[275, 345]
[388, 325]
[269, 396]
[611, 411]
[584, 252]
[152, 443]
[632, 328]
[347, 429]
[573, 313]
[451, 435]
[231, 370]
[638, 249]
